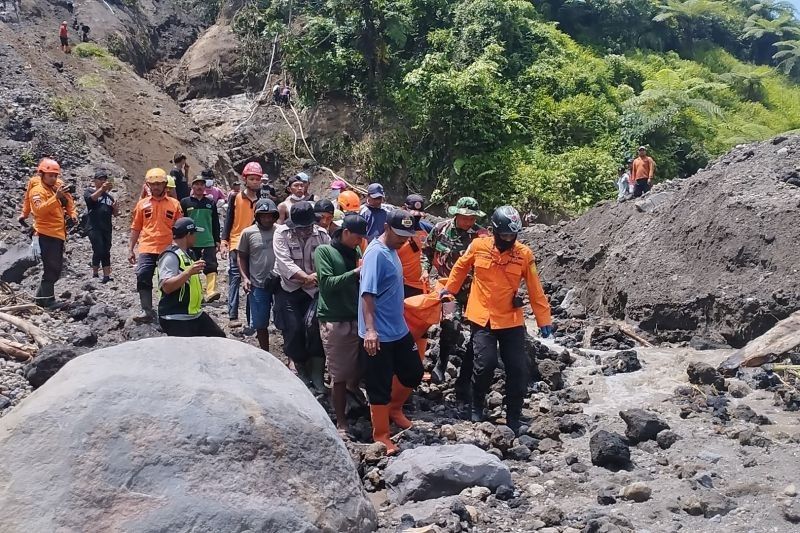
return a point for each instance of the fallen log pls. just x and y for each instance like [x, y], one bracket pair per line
[628, 331]
[784, 336]
[17, 308]
[587, 337]
[38, 336]
[9, 349]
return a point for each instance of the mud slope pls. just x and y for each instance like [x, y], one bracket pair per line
[715, 255]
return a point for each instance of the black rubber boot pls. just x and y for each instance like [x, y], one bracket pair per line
[439, 373]
[478, 413]
[45, 295]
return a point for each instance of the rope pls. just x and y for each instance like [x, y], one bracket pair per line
[302, 135]
[294, 146]
[257, 101]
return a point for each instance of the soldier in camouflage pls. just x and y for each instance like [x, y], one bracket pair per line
[445, 244]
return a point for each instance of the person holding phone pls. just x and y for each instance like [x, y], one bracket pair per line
[101, 206]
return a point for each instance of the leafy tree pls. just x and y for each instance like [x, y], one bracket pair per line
[788, 57]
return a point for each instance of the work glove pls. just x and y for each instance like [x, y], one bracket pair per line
[36, 250]
[444, 294]
[546, 331]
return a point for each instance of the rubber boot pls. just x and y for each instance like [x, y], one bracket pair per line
[211, 287]
[146, 301]
[399, 396]
[380, 427]
[45, 295]
[316, 368]
[513, 419]
[478, 413]
[439, 374]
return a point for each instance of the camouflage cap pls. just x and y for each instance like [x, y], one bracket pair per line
[466, 206]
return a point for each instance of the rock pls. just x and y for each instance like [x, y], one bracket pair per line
[709, 456]
[374, 453]
[749, 437]
[702, 343]
[84, 336]
[579, 468]
[571, 458]
[550, 372]
[551, 516]
[502, 437]
[478, 493]
[666, 439]
[642, 425]
[621, 363]
[705, 374]
[544, 427]
[609, 450]
[746, 413]
[574, 395]
[607, 496]
[572, 306]
[708, 503]
[519, 453]
[504, 493]
[494, 399]
[217, 431]
[51, 359]
[636, 492]
[534, 489]
[14, 262]
[4, 402]
[429, 511]
[448, 432]
[791, 512]
[548, 445]
[433, 471]
[738, 389]
[703, 479]
[790, 490]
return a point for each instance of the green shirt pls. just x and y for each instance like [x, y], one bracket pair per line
[338, 285]
[204, 214]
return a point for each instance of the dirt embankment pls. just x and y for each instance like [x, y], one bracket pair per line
[715, 255]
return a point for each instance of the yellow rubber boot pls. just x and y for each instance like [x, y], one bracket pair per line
[211, 287]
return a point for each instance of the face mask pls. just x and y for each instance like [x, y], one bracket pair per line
[296, 198]
[209, 183]
[502, 245]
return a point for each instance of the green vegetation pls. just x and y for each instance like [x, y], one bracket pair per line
[27, 158]
[538, 103]
[65, 108]
[103, 57]
[92, 81]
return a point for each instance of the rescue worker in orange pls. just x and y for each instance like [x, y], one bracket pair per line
[414, 282]
[153, 218]
[643, 170]
[53, 212]
[494, 310]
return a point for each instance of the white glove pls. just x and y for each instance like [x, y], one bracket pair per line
[36, 250]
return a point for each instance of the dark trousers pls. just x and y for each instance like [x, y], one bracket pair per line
[209, 255]
[485, 341]
[289, 311]
[398, 358]
[202, 326]
[641, 187]
[52, 257]
[101, 247]
[234, 280]
[146, 265]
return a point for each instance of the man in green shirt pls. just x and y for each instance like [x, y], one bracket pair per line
[337, 267]
[203, 211]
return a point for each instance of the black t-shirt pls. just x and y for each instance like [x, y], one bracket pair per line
[100, 211]
[181, 187]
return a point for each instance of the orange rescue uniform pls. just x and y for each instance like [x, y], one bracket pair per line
[495, 282]
[26, 200]
[643, 168]
[241, 212]
[410, 255]
[48, 212]
[153, 218]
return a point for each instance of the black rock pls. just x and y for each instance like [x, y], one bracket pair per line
[49, 361]
[552, 516]
[84, 337]
[705, 374]
[746, 413]
[621, 363]
[544, 428]
[571, 458]
[528, 442]
[749, 437]
[758, 378]
[607, 496]
[703, 343]
[504, 493]
[667, 438]
[518, 453]
[579, 468]
[502, 437]
[642, 425]
[574, 395]
[609, 450]
[550, 373]
[4, 402]
[459, 509]
[80, 312]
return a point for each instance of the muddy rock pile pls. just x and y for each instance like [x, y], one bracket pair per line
[712, 257]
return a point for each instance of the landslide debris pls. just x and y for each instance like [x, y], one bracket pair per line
[714, 255]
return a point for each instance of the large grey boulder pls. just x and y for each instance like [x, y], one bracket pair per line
[434, 471]
[170, 434]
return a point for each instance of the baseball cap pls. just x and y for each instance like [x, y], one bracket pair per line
[199, 177]
[184, 226]
[415, 202]
[401, 222]
[643, 148]
[295, 179]
[302, 176]
[100, 174]
[324, 206]
[375, 190]
[355, 224]
[301, 215]
[338, 185]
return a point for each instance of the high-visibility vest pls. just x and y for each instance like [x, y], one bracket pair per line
[188, 299]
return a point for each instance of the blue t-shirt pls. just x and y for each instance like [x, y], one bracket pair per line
[382, 276]
[376, 219]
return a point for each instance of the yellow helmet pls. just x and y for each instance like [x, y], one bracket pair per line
[170, 182]
[156, 175]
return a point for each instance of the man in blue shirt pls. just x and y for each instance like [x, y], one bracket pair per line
[393, 365]
[374, 212]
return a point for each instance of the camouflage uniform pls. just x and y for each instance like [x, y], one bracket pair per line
[444, 245]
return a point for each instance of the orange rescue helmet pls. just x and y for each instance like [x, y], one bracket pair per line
[349, 201]
[156, 175]
[49, 166]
